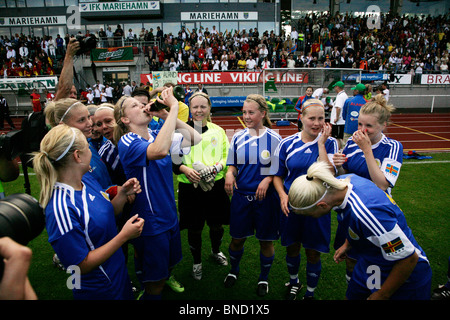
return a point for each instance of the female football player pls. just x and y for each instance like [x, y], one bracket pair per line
[75, 114]
[80, 217]
[295, 154]
[255, 203]
[391, 264]
[148, 155]
[201, 201]
[370, 154]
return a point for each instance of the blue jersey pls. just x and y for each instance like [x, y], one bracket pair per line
[296, 156]
[98, 169]
[350, 113]
[378, 232]
[110, 155]
[253, 157]
[156, 203]
[98, 143]
[388, 154]
[78, 222]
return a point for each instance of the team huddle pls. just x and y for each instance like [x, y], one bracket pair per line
[98, 198]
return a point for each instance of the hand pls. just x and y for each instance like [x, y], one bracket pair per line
[130, 187]
[362, 140]
[72, 47]
[133, 227]
[17, 258]
[326, 133]
[284, 203]
[341, 253]
[192, 175]
[167, 98]
[339, 159]
[230, 183]
[262, 189]
[377, 295]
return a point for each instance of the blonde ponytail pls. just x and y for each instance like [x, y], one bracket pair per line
[378, 107]
[119, 128]
[54, 154]
[307, 190]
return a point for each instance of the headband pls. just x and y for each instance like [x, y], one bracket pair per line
[202, 94]
[67, 111]
[121, 106]
[69, 146]
[313, 105]
[103, 108]
[315, 203]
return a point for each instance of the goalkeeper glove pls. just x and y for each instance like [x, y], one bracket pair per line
[209, 173]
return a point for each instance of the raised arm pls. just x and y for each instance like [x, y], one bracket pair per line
[66, 78]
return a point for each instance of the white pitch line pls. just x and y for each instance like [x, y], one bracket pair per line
[427, 162]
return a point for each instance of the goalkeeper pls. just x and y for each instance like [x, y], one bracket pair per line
[201, 195]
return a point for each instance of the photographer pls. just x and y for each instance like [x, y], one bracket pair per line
[14, 285]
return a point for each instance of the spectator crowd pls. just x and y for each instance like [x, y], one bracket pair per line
[403, 44]
[27, 56]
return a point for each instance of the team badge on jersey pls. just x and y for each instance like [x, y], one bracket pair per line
[105, 195]
[265, 154]
[393, 247]
[378, 162]
[352, 234]
[214, 141]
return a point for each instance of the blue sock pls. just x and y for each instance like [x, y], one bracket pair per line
[235, 259]
[293, 264]
[313, 271]
[266, 264]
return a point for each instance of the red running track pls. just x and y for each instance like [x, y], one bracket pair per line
[427, 132]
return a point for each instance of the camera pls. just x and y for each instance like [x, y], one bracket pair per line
[86, 43]
[178, 93]
[11, 144]
[27, 139]
[21, 218]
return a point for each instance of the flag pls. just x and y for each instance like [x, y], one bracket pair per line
[393, 246]
[293, 49]
[392, 169]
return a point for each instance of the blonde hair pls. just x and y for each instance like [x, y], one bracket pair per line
[55, 150]
[262, 106]
[204, 95]
[92, 109]
[312, 103]
[105, 105]
[378, 107]
[120, 128]
[307, 190]
[60, 110]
